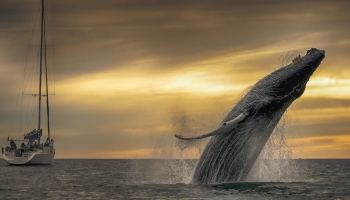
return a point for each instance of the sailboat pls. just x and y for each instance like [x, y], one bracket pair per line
[30, 150]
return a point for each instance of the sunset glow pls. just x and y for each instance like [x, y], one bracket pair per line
[127, 76]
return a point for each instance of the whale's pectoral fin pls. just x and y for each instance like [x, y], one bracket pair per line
[226, 127]
[215, 132]
[236, 120]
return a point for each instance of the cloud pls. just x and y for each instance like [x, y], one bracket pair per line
[87, 36]
[123, 69]
[322, 146]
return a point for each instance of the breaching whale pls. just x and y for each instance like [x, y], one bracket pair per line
[237, 142]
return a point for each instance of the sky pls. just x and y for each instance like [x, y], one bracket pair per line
[126, 75]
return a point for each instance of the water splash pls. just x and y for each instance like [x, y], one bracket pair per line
[275, 163]
[289, 56]
[178, 169]
[178, 155]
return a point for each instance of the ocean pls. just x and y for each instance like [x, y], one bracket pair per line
[164, 179]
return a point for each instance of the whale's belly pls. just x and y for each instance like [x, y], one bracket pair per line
[230, 157]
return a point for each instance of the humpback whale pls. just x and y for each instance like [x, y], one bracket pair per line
[237, 142]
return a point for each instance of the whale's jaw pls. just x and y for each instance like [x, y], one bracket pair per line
[232, 150]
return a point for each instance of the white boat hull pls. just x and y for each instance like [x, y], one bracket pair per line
[40, 157]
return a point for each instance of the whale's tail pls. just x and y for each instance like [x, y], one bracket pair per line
[226, 127]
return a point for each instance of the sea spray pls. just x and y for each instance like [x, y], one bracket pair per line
[288, 57]
[275, 163]
[178, 165]
[178, 156]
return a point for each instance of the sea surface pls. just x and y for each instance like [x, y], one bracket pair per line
[164, 179]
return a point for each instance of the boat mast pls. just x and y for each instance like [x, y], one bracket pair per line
[41, 62]
[46, 84]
